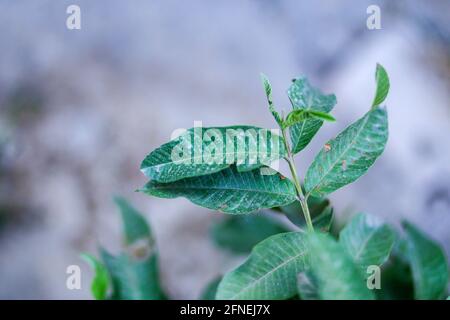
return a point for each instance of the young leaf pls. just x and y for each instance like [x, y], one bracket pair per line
[428, 264]
[229, 191]
[135, 226]
[210, 291]
[306, 97]
[134, 278]
[338, 278]
[100, 282]
[241, 233]
[270, 272]
[201, 151]
[367, 240]
[300, 115]
[268, 90]
[307, 286]
[382, 80]
[348, 156]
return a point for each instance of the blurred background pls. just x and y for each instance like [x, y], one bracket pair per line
[80, 109]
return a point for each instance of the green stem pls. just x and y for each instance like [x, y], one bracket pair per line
[301, 196]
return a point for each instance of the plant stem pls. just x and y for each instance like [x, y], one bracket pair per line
[298, 187]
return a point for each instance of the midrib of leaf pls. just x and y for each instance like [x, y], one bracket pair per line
[364, 244]
[342, 153]
[222, 189]
[247, 287]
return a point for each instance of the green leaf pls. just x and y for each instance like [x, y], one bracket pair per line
[201, 151]
[100, 282]
[299, 115]
[428, 264]
[307, 286]
[306, 97]
[134, 277]
[348, 156]
[396, 280]
[268, 90]
[134, 273]
[368, 240]
[209, 293]
[241, 233]
[338, 278]
[135, 226]
[229, 191]
[270, 272]
[319, 208]
[382, 80]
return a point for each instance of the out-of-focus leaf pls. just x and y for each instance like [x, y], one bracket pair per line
[270, 272]
[201, 151]
[135, 226]
[348, 156]
[428, 264]
[209, 293]
[307, 286]
[304, 96]
[134, 274]
[382, 80]
[396, 280]
[134, 278]
[100, 282]
[229, 190]
[368, 240]
[338, 277]
[241, 233]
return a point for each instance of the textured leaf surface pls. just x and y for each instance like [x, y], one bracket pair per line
[268, 91]
[100, 282]
[241, 233]
[200, 151]
[428, 264]
[338, 277]
[229, 191]
[382, 81]
[348, 156]
[305, 96]
[368, 240]
[270, 272]
[307, 286]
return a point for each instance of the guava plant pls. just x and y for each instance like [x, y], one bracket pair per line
[231, 170]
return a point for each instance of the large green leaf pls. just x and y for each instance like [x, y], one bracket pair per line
[270, 272]
[100, 282]
[368, 240]
[229, 191]
[348, 156]
[241, 233]
[338, 277]
[305, 96]
[382, 81]
[428, 264]
[200, 151]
